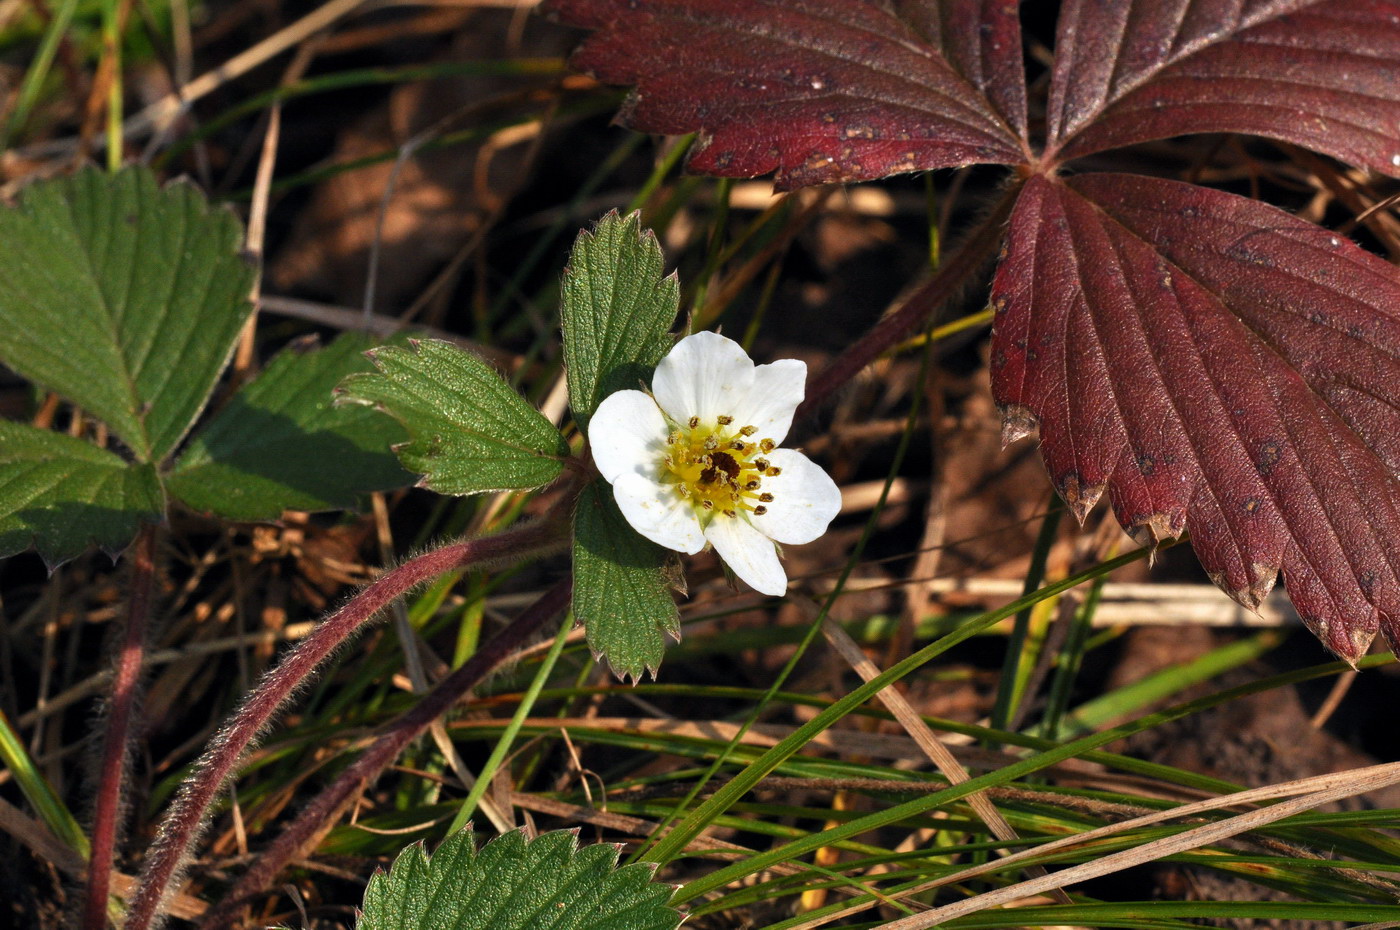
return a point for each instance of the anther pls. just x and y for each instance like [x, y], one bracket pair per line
[693, 422]
[765, 496]
[725, 420]
[748, 430]
[761, 464]
[669, 462]
[753, 485]
[711, 443]
[768, 445]
[760, 510]
[773, 472]
[708, 505]
[684, 489]
[729, 513]
[673, 439]
[737, 445]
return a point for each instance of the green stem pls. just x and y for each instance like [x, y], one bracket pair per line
[527, 703]
[1012, 681]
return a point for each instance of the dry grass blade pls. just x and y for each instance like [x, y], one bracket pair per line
[921, 734]
[634, 825]
[1334, 787]
[160, 113]
[379, 325]
[40, 841]
[413, 650]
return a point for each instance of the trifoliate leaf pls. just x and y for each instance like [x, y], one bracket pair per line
[60, 494]
[281, 443]
[470, 431]
[547, 883]
[123, 298]
[616, 310]
[621, 594]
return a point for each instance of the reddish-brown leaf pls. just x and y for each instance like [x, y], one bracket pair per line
[1324, 74]
[1211, 362]
[816, 90]
[1218, 366]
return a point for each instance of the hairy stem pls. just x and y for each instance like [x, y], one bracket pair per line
[186, 815]
[952, 274]
[328, 805]
[116, 740]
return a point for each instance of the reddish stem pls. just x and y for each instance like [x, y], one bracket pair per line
[186, 815]
[116, 744]
[953, 273]
[328, 805]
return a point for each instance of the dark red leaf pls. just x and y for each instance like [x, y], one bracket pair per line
[1324, 74]
[816, 90]
[1218, 366]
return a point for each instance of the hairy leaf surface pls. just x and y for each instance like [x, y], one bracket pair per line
[1217, 366]
[621, 593]
[470, 432]
[62, 494]
[279, 443]
[1325, 75]
[616, 309]
[823, 90]
[123, 298]
[548, 883]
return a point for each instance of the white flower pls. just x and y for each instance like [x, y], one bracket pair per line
[697, 460]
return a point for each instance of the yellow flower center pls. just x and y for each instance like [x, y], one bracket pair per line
[718, 467]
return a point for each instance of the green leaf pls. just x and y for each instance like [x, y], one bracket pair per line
[123, 298]
[616, 311]
[470, 431]
[59, 494]
[282, 443]
[547, 883]
[621, 595]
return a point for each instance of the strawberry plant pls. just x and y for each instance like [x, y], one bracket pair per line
[1210, 363]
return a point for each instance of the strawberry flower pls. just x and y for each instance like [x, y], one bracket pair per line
[697, 461]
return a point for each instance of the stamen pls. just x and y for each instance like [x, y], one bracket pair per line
[761, 464]
[725, 420]
[684, 489]
[760, 510]
[711, 443]
[752, 485]
[765, 497]
[773, 472]
[708, 505]
[737, 445]
[673, 439]
[768, 445]
[729, 513]
[748, 430]
[693, 422]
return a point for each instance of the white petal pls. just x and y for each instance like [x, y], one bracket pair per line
[778, 388]
[805, 499]
[658, 513]
[706, 375]
[751, 555]
[627, 434]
